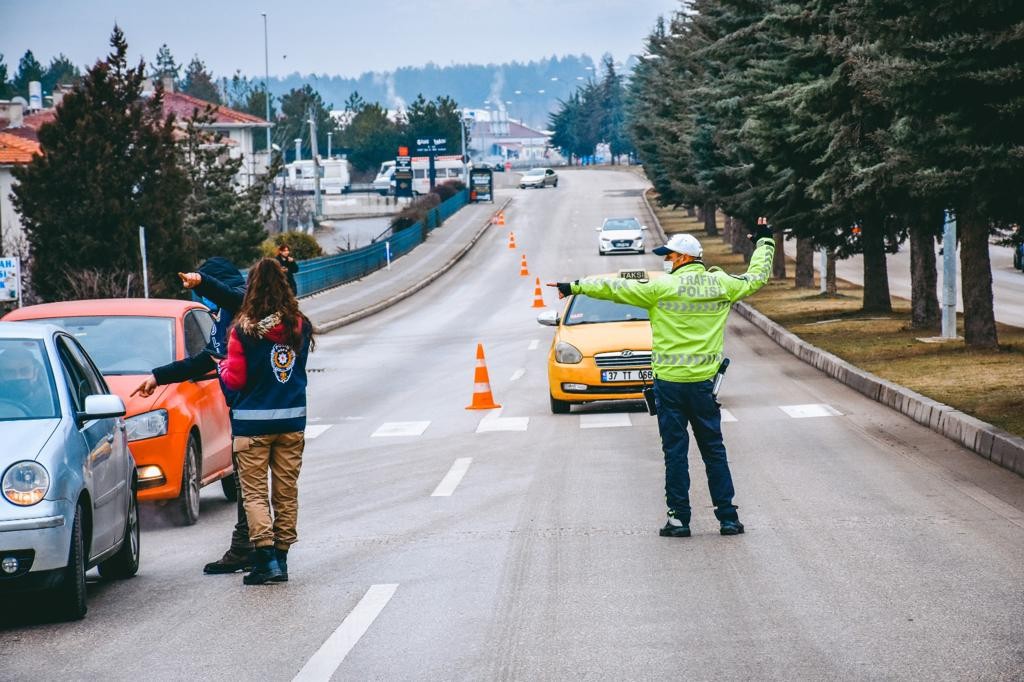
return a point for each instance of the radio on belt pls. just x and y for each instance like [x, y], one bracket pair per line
[719, 376]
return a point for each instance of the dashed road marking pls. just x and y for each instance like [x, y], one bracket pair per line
[728, 416]
[314, 431]
[452, 479]
[605, 421]
[329, 656]
[534, 344]
[517, 375]
[399, 429]
[810, 410]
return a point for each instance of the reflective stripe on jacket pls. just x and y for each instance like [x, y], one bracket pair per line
[688, 310]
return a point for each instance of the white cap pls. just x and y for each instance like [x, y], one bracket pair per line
[685, 244]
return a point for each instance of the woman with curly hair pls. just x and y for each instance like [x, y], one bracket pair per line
[266, 365]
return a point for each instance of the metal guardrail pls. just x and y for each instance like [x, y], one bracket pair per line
[317, 274]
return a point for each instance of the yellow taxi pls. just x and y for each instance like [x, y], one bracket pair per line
[601, 349]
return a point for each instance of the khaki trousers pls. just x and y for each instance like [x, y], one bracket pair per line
[281, 453]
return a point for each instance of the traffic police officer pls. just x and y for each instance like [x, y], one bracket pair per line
[688, 309]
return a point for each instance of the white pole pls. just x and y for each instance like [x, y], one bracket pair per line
[387, 251]
[329, 145]
[949, 277]
[145, 268]
[318, 207]
[298, 149]
[17, 262]
[266, 77]
[823, 260]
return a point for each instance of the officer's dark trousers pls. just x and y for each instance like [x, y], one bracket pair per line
[240, 542]
[679, 404]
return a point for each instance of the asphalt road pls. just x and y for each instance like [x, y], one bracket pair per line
[875, 549]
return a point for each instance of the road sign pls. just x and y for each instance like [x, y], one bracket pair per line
[481, 184]
[10, 280]
[431, 145]
[403, 173]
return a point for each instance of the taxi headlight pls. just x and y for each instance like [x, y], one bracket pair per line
[146, 425]
[567, 354]
[25, 483]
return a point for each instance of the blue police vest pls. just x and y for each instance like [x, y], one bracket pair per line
[274, 397]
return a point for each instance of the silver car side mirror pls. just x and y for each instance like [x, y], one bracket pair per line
[643, 227]
[102, 407]
[548, 318]
[597, 229]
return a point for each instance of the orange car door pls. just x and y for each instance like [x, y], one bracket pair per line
[214, 423]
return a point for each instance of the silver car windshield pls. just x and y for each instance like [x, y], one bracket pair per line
[586, 310]
[123, 344]
[621, 224]
[535, 171]
[27, 390]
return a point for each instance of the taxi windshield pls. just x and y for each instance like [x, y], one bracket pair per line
[26, 382]
[621, 224]
[123, 344]
[586, 310]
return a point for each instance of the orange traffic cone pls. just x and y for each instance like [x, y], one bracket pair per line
[501, 218]
[482, 397]
[538, 296]
[511, 240]
[523, 271]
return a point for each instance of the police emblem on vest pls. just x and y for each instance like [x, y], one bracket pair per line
[282, 357]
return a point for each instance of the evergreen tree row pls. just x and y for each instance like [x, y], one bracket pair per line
[853, 124]
[593, 114]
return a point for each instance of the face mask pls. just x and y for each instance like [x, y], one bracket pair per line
[668, 266]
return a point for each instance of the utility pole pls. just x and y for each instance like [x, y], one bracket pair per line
[266, 77]
[949, 277]
[318, 209]
[329, 145]
[465, 172]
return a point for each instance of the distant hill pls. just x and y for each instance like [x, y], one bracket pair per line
[468, 84]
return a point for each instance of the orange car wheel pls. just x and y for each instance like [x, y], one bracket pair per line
[184, 509]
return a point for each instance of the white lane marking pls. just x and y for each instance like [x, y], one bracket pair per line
[452, 479]
[397, 429]
[488, 424]
[604, 421]
[329, 656]
[517, 375]
[316, 430]
[728, 416]
[534, 344]
[810, 410]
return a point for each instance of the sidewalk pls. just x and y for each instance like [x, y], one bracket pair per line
[444, 247]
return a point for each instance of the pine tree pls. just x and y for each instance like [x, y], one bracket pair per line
[165, 66]
[29, 69]
[108, 165]
[296, 106]
[221, 218]
[198, 82]
[370, 134]
[6, 89]
[61, 72]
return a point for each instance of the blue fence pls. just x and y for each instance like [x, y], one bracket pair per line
[317, 274]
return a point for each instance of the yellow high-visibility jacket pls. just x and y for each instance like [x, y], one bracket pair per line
[688, 309]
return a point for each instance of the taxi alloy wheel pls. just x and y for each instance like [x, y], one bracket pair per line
[559, 406]
[186, 506]
[125, 563]
[69, 597]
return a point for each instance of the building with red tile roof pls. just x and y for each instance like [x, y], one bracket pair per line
[14, 151]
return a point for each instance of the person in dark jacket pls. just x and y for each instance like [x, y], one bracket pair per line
[219, 285]
[284, 257]
[266, 366]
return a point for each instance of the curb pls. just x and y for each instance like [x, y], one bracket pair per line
[994, 444]
[408, 291]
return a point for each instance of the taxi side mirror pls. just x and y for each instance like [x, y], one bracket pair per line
[548, 318]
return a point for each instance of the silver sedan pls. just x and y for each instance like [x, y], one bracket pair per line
[67, 477]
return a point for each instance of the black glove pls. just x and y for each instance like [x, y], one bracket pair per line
[762, 231]
[565, 288]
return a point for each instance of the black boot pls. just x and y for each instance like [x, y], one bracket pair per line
[265, 567]
[234, 560]
[282, 562]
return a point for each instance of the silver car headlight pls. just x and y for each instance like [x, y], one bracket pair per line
[146, 425]
[567, 354]
[25, 483]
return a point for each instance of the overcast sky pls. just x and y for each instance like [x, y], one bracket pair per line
[342, 37]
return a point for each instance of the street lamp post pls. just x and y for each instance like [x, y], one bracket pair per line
[266, 76]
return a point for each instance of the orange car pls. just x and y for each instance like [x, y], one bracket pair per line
[181, 435]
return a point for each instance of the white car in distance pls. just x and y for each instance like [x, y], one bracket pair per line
[621, 235]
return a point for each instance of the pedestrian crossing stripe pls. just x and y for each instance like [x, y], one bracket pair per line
[810, 410]
[314, 431]
[400, 429]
